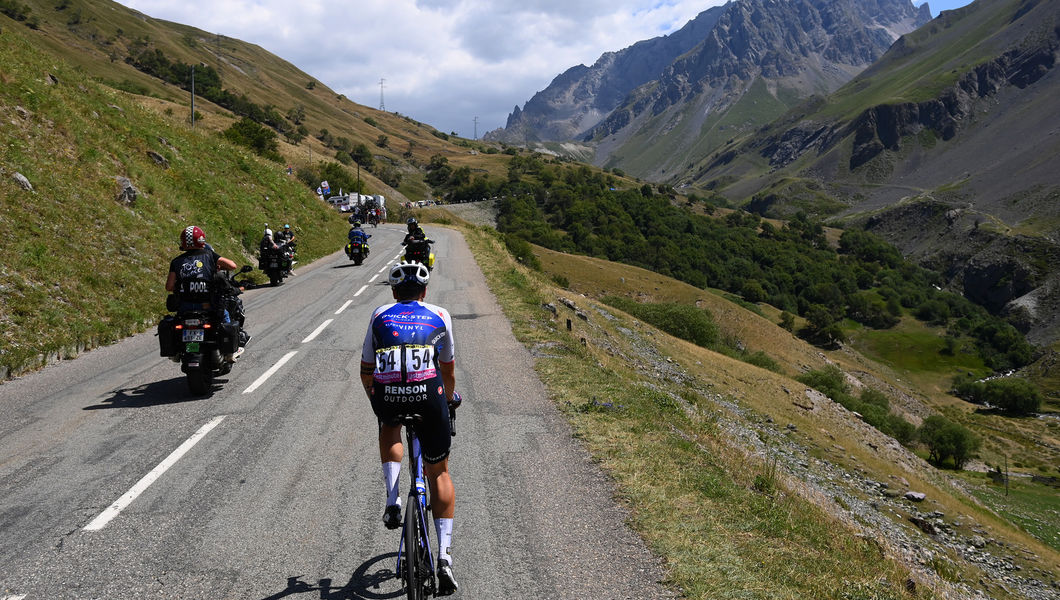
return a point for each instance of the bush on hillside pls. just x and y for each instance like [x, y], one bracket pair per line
[948, 440]
[873, 405]
[679, 320]
[1012, 395]
[261, 140]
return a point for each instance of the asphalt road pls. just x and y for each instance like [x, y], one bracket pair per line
[271, 486]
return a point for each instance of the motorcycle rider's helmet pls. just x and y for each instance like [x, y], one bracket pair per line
[268, 232]
[409, 274]
[192, 238]
[286, 227]
[412, 224]
[356, 223]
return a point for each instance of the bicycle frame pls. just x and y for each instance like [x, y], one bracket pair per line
[418, 496]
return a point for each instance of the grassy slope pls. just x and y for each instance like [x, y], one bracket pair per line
[106, 30]
[74, 137]
[695, 488]
[82, 268]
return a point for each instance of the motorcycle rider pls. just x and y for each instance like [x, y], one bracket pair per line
[411, 342]
[357, 234]
[192, 275]
[284, 235]
[267, 241]
[413, 226]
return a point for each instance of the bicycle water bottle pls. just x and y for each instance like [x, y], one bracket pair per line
[421, 487]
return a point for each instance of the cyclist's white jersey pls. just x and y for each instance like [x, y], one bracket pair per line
[407, 340]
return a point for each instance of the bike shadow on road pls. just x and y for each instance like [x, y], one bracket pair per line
[373, 580]
[167, 391]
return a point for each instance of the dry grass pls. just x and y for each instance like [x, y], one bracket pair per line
[662, 436]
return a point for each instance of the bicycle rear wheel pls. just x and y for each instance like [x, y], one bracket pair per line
[416, 567]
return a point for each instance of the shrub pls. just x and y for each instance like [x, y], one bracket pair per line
[679, 320]
[946, 439]
[522, 251]
[258, 138]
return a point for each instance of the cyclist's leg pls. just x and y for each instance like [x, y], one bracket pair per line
[443, 502]
[391, 451]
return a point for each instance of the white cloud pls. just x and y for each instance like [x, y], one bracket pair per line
[444, 61]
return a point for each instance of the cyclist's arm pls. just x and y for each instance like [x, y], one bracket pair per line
[448, 378]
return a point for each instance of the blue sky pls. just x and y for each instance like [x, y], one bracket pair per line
[941, 5]
[445, 62]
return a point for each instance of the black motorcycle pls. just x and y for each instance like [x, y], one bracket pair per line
[199, 339]
[357, 249]
[277, 263]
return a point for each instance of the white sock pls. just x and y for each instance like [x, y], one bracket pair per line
[444, 528]
[391, 471]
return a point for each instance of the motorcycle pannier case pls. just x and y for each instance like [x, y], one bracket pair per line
[168, 344]
[229, 342]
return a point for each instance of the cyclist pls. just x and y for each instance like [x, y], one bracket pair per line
[408, 366]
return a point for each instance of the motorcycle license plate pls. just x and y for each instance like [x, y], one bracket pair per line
[274, 265]
[194, 335]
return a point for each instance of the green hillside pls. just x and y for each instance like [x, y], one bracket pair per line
[83, 267]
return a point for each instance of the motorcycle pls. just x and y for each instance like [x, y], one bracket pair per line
[419, 250]
[357, 250]
[277, 263]
[199, 340]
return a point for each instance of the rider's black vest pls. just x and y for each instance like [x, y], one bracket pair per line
[195, 270]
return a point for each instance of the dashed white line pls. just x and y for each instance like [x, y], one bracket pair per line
[121, 503]
[344, 307]
[269, 373]
[12, 597]
[316, 332]
[359, 292]
[374, 277]
[383, 269]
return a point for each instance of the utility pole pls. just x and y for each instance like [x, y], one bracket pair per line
[382, 106]
[476, 129]
[193, 96]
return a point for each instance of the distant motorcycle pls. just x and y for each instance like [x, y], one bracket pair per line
[277, 263]
[419, 250]
[357, 250]
[199, 339]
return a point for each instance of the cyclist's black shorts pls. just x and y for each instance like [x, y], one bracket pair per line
[425, 398]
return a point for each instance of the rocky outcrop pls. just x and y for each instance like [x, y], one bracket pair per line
[578, 98]
[719, 49]
[1010, 275]
[816, 44]
[882, 127]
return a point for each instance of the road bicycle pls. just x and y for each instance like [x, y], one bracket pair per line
[415, 562]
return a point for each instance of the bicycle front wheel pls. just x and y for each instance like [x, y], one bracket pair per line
[416, 567]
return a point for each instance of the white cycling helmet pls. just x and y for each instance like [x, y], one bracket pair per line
[268, 232]
[408, 273]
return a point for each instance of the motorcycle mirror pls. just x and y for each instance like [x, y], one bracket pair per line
[246, 269]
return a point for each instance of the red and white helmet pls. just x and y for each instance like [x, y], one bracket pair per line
[192, 237]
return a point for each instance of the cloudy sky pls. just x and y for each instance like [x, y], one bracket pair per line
[443, 62]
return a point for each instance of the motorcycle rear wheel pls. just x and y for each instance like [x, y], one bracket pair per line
[198, 382]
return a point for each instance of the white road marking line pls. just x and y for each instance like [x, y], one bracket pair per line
[121, 503]
[359, 292]
[269, 373]
[374, 277]
[316, 332]
[348, 303]
[12, 597]
[384, 268]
